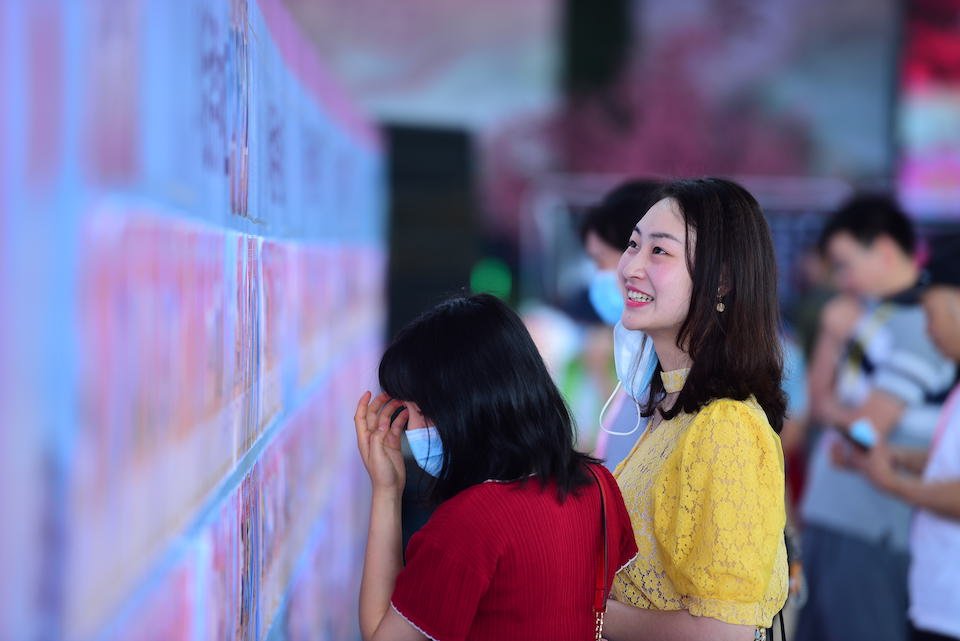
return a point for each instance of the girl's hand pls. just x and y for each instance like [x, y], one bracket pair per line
[379, 440]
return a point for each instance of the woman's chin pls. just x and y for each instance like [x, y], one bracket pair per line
[632, 324]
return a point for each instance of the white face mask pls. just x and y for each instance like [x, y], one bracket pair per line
[635, 361]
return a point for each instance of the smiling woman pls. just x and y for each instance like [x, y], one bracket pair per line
[704, 485]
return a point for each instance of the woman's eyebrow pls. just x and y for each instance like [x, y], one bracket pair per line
[658, 234]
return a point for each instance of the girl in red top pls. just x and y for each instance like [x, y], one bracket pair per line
[513, 548]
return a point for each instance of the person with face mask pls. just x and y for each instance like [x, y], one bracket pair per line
[605, 230]
[704, 484]
[527, 533]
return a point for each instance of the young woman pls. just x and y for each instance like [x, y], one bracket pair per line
[514, 549]
[704, 485]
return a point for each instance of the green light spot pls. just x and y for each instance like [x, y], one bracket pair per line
[491, 276]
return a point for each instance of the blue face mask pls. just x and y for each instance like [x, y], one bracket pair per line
[605, 296]
[635, 361]
[427, 449]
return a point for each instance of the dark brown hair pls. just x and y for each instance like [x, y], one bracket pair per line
[735, 353]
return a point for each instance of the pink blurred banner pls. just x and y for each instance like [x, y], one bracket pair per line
[929, 115]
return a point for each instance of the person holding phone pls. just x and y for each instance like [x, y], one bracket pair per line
[875, 374]
[929, 479]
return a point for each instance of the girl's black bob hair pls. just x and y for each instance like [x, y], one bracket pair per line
[474, 371]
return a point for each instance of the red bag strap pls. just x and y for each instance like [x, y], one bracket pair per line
[600, 594]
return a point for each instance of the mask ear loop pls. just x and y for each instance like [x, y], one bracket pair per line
[607, 404]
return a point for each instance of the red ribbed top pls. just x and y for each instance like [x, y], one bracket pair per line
[502, 561]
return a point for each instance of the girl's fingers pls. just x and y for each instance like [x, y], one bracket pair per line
[386, 414]
[396, 429]
[400, 422]
[379, 425]
[377, 404]
[362, 404]
[360, 421]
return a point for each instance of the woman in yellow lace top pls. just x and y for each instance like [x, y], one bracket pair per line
[704, 484]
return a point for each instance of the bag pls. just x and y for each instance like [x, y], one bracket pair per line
[600, 593]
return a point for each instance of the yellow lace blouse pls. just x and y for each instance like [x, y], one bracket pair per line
[705, 493]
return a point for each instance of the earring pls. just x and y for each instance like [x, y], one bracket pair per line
[720, 305]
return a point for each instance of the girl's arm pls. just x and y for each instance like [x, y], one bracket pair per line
[379, 443]
[837, 323]
[940, 497]
[381, 563]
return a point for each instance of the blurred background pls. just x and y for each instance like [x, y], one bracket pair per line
[214, 213]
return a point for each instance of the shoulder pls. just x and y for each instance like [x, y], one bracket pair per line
[906, 325]
[907, 363]
[904, 315]
[467, 524]
[746, 414]
[475, 500]
[728, 428]
[482, 508]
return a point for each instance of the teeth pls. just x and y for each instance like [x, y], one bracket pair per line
[638, 297]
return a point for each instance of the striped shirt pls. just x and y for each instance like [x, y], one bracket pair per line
[890, 352]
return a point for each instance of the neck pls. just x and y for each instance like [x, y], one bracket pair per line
[671, 357]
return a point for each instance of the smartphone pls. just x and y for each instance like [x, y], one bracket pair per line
[861, 434]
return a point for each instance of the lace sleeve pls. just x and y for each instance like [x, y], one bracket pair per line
[719, 515]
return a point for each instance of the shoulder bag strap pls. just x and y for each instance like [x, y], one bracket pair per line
[600, 593]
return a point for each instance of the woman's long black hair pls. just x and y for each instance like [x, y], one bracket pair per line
[472, 368]
[735, 353]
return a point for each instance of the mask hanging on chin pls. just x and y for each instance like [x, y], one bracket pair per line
[605, 296]
[635, 361]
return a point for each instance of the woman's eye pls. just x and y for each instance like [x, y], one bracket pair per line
[632, 244]
[659, 250]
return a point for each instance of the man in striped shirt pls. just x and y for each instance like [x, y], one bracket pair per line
[875, 370]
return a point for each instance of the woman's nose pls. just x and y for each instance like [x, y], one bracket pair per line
[633, 265]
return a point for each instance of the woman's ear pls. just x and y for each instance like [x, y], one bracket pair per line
[417, 419]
